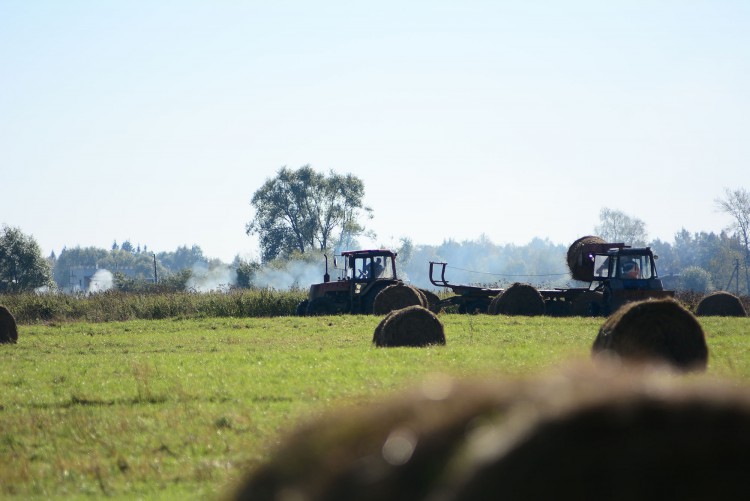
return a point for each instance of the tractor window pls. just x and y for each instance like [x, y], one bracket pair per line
[601, 266]
[635, 267]
[387, 263]
[372, 268]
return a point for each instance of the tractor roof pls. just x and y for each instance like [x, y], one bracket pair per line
[368, 252]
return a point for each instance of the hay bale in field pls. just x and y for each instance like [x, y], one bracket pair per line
[518, 299]
[411, 326]
[378, 334]
[396, 297]
[659, 331]
[610, 434]
[579, 265]
[720, 304]
[432, 300]
[8, 327]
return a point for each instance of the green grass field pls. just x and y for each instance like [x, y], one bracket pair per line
[175, 409]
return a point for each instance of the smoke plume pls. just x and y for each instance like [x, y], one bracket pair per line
[101, 281]
[217, 278]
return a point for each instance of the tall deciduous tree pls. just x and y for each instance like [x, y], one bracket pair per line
[22, 267]
[299, 210]
[616, 226]
[736, 203]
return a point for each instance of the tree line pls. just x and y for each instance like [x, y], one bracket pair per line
[302, 214]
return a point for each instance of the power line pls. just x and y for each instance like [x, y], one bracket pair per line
[509, 275]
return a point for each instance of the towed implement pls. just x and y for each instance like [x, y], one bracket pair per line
[617, 274]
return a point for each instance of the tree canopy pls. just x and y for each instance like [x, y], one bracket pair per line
[616, 226]
[736, 203]
[22, 267]
[300, 210]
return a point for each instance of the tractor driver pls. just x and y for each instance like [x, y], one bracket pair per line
[631, 270]
[376, 268]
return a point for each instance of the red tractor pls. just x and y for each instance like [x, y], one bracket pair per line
[364, 274]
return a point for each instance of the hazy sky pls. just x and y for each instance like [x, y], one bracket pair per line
[155, 121]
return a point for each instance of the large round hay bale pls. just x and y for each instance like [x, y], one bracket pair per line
[660, 331]
[639, 442]
[396, 297]
[518, 299]
[720, 304]
[574, 435]
[432, 299]
[377, 337]
[411, 326]
[580, 266]
[8, 327]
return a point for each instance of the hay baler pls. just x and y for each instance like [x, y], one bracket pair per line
[617, 274]
[364, 274]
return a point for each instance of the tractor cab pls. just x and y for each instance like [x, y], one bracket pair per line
[625, 264]
[369, 265]
[627, 274]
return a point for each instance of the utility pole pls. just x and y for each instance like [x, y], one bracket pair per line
[736, 277]
[155, 277]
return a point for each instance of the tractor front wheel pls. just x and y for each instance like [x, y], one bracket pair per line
[589, 304]
[321, 306]
[302, 308]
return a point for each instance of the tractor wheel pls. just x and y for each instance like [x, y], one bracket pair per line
[321, 306]
[558, 308]
[472, 307]
[589, 304]
[302, 308]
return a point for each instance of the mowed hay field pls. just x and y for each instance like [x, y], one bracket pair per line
[176, 409]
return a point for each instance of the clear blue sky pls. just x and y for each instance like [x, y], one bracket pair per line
[155, 121]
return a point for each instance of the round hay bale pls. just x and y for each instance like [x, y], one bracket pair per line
[578, 264]
[432, 300]
[492, 307]
[396, 297]
[610, 434]
[377, 337]
[411, 326]
[654, 331]
[518, 299]
[639, 443]
[8, 327]
[720, 304]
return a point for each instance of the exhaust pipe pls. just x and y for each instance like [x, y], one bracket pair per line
[326, 277]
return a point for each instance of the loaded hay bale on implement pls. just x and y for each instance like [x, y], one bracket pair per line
[617, 274]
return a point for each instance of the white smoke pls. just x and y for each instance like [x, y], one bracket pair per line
[101, 281]
[294, 275]
[217, 278]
